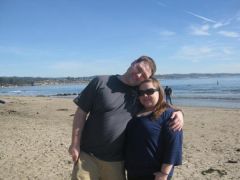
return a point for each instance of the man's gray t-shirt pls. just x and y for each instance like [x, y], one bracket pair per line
[111, 104]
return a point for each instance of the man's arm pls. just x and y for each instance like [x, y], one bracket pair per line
[163, 174]
[177, 122]
[78, 124]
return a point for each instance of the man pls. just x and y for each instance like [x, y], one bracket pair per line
[104, 108]
[168, 93]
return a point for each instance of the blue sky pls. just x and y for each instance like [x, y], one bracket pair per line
[56, 38]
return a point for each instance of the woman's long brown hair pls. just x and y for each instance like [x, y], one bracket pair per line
[161, 105]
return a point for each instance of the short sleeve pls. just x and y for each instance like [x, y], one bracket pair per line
[85, 99]
[173, 141]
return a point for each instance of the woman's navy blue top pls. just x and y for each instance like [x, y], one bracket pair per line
[151, 143]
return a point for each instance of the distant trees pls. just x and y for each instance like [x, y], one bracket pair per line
[195, 75]
[5, 81]
[21, 81]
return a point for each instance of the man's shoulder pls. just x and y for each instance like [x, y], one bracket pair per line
[104, 77]
[105, 80]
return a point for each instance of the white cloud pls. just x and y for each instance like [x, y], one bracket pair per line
[229, 34]
[227, 51]
[238, 16]
[161, 4]
[230, 68]
[68, 65]
[218, 25]
[167, 33]
[194, 54]
[221, 24]
[24, 51]
[200, 31]
[201, 17]
[205, 53]
[89, 67]
[227, 21]
[14, 50]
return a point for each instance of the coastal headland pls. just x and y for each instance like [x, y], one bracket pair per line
[38, 81]
[35, 133]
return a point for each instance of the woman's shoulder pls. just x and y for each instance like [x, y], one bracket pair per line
[166, 115]
[139, 117]
[168, 112]
[143, 114]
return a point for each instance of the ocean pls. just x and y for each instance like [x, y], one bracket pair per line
[202, 91]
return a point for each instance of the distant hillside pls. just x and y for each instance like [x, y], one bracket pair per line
[21, 81]
[195, 75]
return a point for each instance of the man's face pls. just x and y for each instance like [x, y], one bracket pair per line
[138, 72]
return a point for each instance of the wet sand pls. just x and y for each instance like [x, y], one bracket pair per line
[35, 133]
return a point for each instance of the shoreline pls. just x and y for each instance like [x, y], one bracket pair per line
[35, 133]
[186, 104]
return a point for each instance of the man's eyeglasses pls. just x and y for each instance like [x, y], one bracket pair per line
[147, 92]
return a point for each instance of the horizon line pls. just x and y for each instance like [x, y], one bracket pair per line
[222, 73]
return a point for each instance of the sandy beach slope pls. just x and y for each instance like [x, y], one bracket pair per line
[35, 133]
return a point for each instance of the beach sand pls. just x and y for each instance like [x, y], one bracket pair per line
[35, 133]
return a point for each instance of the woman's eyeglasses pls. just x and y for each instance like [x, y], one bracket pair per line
[147, 92]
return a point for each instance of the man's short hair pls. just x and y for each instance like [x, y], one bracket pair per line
[150, 62]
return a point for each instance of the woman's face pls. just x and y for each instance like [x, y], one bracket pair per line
[148, 95]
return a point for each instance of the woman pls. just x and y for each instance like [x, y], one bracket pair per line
[152, 149]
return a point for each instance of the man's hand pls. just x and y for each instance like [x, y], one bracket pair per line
[78, 124]
[160, 176]
[176, 123]
[74, 151]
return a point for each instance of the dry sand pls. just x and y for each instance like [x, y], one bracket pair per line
[35, 133]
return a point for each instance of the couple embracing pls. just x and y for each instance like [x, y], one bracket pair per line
[123, 124]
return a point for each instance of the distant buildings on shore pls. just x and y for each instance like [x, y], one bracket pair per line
[39, 81]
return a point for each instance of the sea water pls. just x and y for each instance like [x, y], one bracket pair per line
[42, 90]
[201, 91]
[213, 92]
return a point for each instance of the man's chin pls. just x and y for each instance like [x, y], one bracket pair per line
[134, 83]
